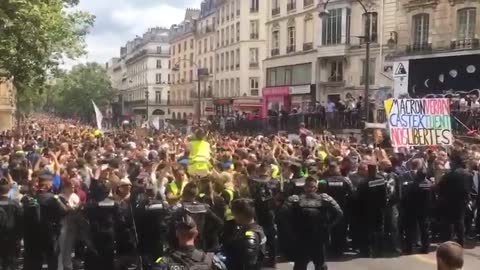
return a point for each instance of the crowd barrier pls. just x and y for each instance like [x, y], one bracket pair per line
[331, 121]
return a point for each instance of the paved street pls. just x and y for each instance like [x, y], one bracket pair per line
[413, 262]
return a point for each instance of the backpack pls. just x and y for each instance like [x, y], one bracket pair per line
[197, 261]
[7, 219]
[260, 190]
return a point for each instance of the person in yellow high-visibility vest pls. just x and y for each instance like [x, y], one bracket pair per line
[174, 190]
[199, 158]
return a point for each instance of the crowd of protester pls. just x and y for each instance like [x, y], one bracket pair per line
[123, 198]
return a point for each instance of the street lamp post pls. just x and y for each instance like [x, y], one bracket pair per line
[366, 72]
[147, 95]
[200, 72]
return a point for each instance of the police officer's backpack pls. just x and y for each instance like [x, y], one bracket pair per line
[197, 261]
[260, 190]
[7, 220]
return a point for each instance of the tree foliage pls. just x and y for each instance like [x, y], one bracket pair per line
[35, 36]
[71, 93]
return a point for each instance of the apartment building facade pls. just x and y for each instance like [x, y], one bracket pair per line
[140, 78]
[183, 66]
[205, 55]
[437, 43]
[314, 58]
[290, 65]
[240, 37]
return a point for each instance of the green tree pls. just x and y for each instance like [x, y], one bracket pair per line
[71, 94]
[35, 36]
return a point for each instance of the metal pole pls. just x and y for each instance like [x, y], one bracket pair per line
[146, 97]
[367, 68]
[198, 96]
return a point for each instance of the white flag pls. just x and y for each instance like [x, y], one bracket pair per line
[98, 116]
[155, 121]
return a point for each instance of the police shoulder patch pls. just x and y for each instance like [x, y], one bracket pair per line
[249, 234]
[293, 198]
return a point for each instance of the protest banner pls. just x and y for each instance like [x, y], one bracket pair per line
[419, 122]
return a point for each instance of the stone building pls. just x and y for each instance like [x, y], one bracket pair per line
[140, 77]
[7, 104]
[183, 66]
[437, 42]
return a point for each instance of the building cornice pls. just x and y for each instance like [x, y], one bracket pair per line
[275, 19]
[417, 4]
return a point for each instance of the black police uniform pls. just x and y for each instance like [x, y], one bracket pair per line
[11, 217]
[372, 195]
[189, 258]
[263, 202]
[245, 248]
[102, 216]
[405, 180]
[340, 188]
[313, 215]
[453, 195]
[418, 197]
[152, 217]
[126, 238]
[392, 214]
[43, 237]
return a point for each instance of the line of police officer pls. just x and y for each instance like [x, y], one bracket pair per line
[379, 202]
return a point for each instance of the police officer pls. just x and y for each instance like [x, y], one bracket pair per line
[263, 200]
[102, 214]
[43, 238]
[313, 215]
[391, 212]
[187, 256]
[245, 246]
[418, 197]
[340, 188]
[209, 224]
[152, 217]
[126, 238]
[11, 215]
[453, 196]
[372, 197]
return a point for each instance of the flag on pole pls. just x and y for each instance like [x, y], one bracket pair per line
[98, 116]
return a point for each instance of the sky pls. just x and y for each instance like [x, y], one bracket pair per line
[118, 21]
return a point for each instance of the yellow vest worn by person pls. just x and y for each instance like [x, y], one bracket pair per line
[199, 158]
[176, 190]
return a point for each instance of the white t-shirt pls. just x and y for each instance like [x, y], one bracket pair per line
[73, 200]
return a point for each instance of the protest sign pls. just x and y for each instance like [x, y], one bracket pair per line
[419, 122]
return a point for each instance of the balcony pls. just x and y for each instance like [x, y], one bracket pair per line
[291, 6]
[253, 35]
[419, 48]
[291, 49]
[253, 65]
[275, 52]
[276, 11]
[465, 44]
[307, 3]
[181, 102]
[253, 10]
[308, 46]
